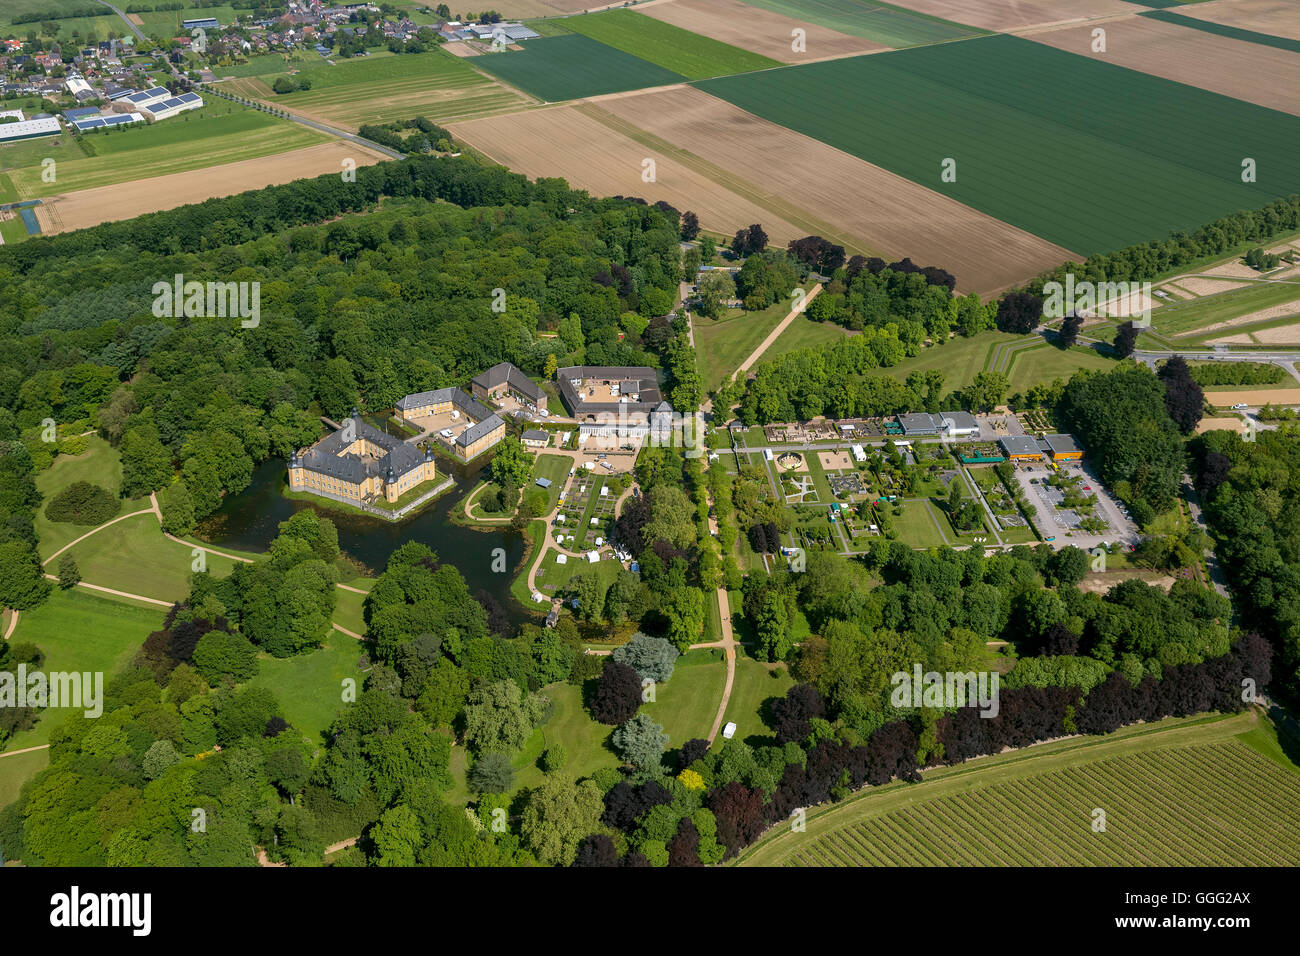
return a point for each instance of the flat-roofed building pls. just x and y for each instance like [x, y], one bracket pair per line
[920, 423]
[1062, 447]
[960, 425]
[1020, 448]
[614, 400]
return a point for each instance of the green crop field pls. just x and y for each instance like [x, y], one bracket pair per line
[70, 29]
[878, 22]
[1042, 139]
[80, 631]
[573, 66]
[385, 87]
[220, 132]
[689, 54]
[1199, 792]
[167, 23]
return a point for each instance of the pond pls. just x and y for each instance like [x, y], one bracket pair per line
[250, 520]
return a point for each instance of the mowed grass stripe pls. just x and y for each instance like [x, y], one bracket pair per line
[573, 66]
[1135, 159]
[871, 20]
[1224, 30]
[689, 54]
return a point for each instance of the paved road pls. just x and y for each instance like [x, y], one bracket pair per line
[133, 28]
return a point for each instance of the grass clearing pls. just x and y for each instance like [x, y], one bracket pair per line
[309, 687]
[999, 89]
[80, 631]
[753, 687]
[722, 344]
[691, 55]
[573, 66]
[17, 770]
[100, 464]
[687, 704]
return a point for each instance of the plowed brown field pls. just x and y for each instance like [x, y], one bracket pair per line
[757, 30]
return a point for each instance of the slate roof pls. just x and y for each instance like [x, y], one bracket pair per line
[458, 397]
[506, 374]
[326, 456]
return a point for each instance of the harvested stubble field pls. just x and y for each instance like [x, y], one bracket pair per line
[1257, 396]
[878, 22]
[1074, 176]
[686, 52]
[1011, 15]
[384, 88]
[573, 66]
[1276, 17]
[758, 30]
[89, 207]
[1224, 65]
[860, 204]
[1176, 793]
[541, 143]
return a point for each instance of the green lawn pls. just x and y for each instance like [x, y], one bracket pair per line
[309, 686]
[348, 611]
[872, 20]
[264, 65]
[722, 344]
[804, 333]
[133, 555]
[100, 464]
[916, 525]
[220, 132]
[1045, 363]
[519, 586]
[556, 468]
[690, 54]
[79, 631]
[1001, 89]
[17, 770]
[754, 685]
[384, 87]
[687, 704]
[572, 66]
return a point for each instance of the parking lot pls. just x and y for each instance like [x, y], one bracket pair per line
[1062, 524]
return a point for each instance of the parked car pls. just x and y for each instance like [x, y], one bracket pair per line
[1239, 406]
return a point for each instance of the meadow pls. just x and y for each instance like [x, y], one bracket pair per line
[80, 631]
[220, 132]
[309, 687]
[1200, 791]
[691, 55]
[573, 66]
[871, 20]
[1027, 148]
[384, 87]
[722, 344]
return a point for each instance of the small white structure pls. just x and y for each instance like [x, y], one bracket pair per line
[561, 559]
[593, 556]
[767, 453]
[594, 522]
[539, 597]
[729, 731]
[599, 542]
[859, 455]
[604, 490]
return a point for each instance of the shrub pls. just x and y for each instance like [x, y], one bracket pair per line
[83, 503]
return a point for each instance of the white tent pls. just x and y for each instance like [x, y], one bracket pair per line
[599, 542]
[604, 490]
[594, 522]
[593, 556]
[561, 559]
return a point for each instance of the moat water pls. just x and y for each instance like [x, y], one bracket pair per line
[250, 520]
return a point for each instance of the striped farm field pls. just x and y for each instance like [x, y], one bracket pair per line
[1009, 15]
[758, 30]
[1222, 63]
[1085, 154]
[691, 54]
[384, 88]
[1214, 791]
[881, 23]
[572, 66]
